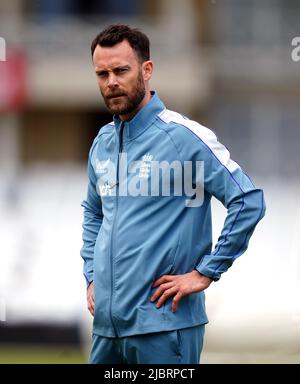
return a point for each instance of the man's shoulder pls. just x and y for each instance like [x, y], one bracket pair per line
[105, 130]
[182, 128]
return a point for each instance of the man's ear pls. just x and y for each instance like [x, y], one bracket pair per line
[147, 68]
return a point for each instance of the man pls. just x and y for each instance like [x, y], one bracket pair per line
[147, 242]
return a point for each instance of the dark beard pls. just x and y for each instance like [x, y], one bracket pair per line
[133, 101]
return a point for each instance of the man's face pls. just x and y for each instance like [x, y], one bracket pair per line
[120, 78]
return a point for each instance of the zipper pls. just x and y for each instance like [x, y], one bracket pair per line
[113, 227]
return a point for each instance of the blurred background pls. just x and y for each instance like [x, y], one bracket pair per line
[225, 63]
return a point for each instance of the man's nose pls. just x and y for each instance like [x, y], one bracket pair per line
[112, 81]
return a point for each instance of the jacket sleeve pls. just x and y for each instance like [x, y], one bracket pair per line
[224, 179]
[92, 221]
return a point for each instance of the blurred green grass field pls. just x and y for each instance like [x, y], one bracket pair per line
[41, 354]
[66, 354]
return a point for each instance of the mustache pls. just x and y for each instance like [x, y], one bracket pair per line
[112, 95]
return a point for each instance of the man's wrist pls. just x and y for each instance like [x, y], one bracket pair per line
[209, 279]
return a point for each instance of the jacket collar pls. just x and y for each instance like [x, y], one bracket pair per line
[142, 120]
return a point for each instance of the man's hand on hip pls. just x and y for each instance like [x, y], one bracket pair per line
[180, 286]
[90, 298]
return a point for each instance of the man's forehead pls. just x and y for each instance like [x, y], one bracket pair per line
[119, 54]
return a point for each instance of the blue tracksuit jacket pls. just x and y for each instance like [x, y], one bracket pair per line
[132, 238]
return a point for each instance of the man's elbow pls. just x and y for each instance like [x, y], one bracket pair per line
[263, 205]
[257, 204]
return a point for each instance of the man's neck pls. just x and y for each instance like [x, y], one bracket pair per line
[130, 115]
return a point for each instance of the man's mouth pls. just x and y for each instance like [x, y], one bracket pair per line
[115, 96]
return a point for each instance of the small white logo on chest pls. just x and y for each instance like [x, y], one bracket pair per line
[105, 189]
[145, 166]
[101, 166]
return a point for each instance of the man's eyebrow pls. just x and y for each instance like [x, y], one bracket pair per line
[125, 66]
[100, 71]
[121, 67]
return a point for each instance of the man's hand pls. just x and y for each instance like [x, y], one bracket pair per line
[180, 286]
[90, 298]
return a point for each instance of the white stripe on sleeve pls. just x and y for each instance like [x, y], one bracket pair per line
[206, 135]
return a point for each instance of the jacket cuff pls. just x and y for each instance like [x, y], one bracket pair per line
[208, 272]
[88, 279]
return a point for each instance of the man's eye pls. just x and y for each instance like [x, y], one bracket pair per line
[121, 70]
[102, 74]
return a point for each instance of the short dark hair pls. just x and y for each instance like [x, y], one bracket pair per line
[116, 33]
